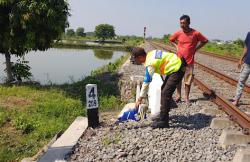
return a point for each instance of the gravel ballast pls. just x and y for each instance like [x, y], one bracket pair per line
[189, 137]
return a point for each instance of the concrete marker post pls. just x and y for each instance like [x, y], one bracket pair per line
[92, 105]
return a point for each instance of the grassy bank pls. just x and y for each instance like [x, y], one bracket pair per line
[125, 40]
[227, 49]
[31, 115]
[121, 43]
[224, 49]
[86, 46]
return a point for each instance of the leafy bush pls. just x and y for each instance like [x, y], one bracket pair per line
[70, 32]
[224, 49]
[20, 70]
[24, 123]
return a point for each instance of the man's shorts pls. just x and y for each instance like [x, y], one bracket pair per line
[189, 74]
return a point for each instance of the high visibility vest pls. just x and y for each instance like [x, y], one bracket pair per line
[163, 62]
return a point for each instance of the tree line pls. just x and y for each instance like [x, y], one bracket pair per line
[35, 25]
[30, 25]
[102, 32]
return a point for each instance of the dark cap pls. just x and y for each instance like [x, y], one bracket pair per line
[138, 51]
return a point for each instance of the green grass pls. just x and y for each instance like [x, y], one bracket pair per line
[31, 115]
[233, 49]
[224, 49]
[108, 140]
[111, 67]
[134, 42]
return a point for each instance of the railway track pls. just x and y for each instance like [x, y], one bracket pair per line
[189, 138]
[226, 65]
[221, 92]
[228, 78]
[222, 76]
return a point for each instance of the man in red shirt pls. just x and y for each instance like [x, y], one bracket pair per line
[187, 41]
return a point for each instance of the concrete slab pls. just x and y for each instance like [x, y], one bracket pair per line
[211, 111]
[66, 142]
[28, 160]
[242, 155]
[229, 137]
[220, 123]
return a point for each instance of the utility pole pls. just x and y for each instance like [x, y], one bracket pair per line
[144, 33]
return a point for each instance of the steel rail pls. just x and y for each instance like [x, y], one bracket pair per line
[215, 73]
[233, 59]
[222, 76]
[234, 113]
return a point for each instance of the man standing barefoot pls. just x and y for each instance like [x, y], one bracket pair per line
[187, 41]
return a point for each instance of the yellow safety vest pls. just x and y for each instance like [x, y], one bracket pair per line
[163, 62]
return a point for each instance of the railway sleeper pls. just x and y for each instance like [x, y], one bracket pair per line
[230, 137]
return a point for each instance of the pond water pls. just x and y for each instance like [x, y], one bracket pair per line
[60, 66]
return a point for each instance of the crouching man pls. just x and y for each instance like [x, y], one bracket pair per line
[168, 65]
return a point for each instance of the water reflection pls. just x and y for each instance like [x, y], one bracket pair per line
[60, 66]
[103, 54]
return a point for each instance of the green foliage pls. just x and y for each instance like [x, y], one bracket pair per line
[80, 32]
[166, 38]
[30, 25]
[224, 49]
[106, 141]
[239, 42]
[109, 102]
[3, 117]
[70, 32]
[21, 70]
[111, 67]
[131, 40]
[104, 31]
[24, 123]
[26, 128]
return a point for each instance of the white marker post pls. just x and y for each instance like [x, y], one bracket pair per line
[92, 105]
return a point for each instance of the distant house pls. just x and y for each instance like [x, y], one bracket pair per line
[229, 42]
[218, 41]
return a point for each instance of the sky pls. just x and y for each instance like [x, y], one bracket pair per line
[216, 19]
